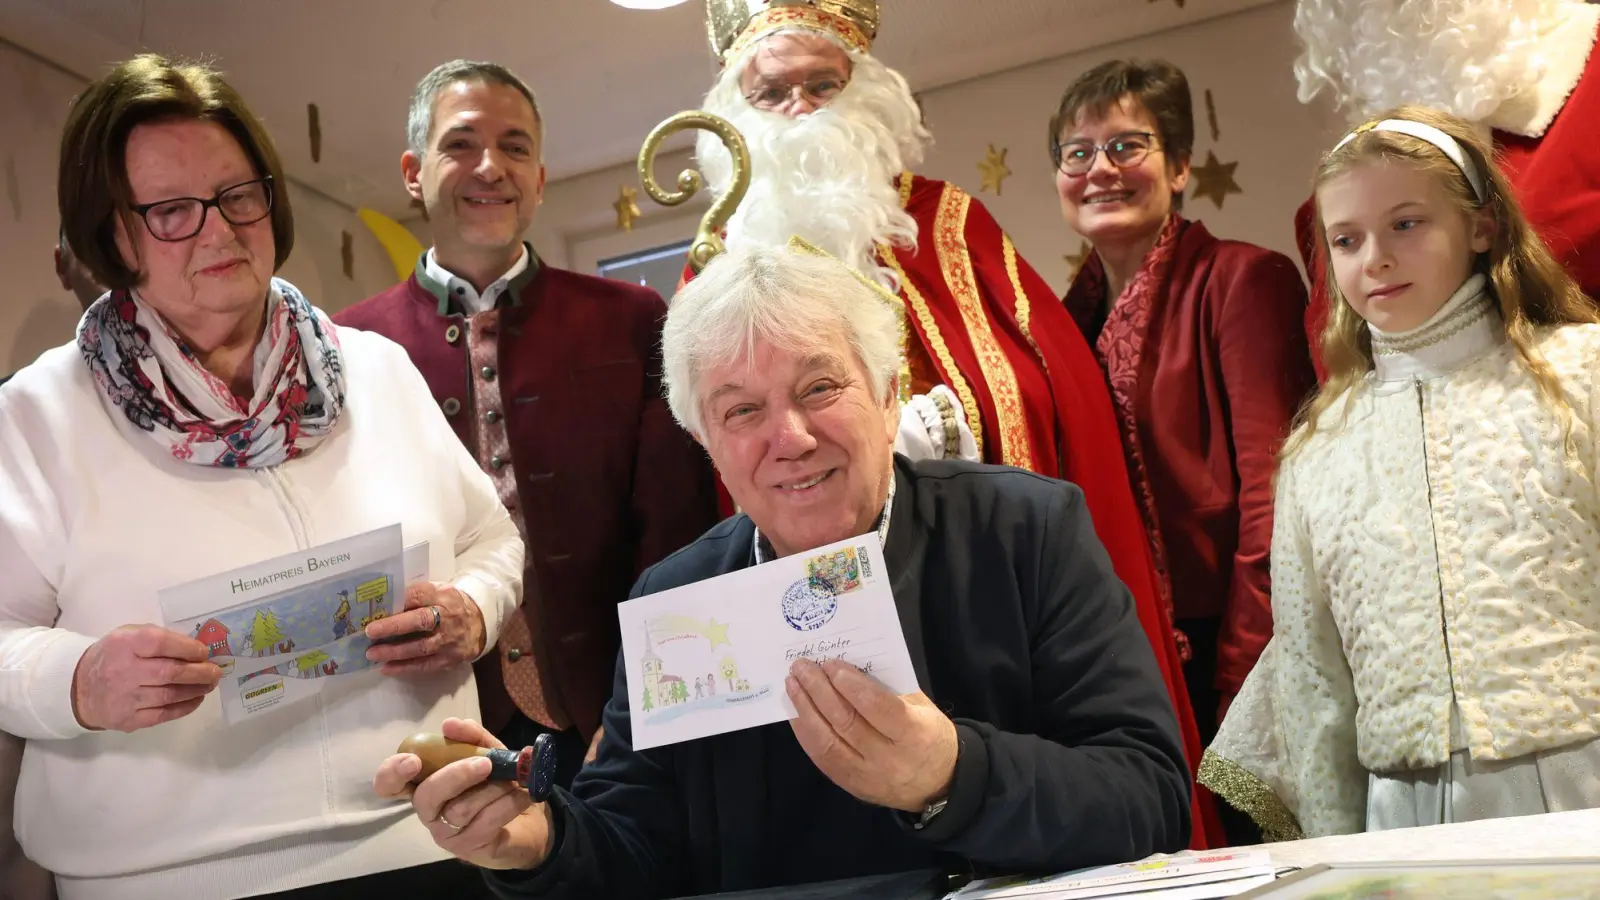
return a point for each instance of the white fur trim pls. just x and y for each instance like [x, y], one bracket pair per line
[1566, 49]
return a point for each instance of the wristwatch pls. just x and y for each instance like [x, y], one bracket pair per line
[930, 811]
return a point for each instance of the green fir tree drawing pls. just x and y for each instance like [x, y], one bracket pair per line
[264, 633]
[648, 702]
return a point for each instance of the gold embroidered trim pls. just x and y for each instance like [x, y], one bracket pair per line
[1250, 795]
[1024, 306]
[955, 261]
[919, 306]
[773, 18]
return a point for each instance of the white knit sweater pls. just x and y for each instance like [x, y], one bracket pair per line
[95, 519]
[1434, 543]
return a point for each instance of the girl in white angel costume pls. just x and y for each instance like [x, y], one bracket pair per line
[1435, 553]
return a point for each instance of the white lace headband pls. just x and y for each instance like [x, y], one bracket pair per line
[1447, 145]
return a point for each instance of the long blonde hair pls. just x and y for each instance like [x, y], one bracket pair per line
[1532, 289]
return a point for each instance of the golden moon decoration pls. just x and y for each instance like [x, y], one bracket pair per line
[708, 238]
[993, 169]
[402, 246]
[627, 209]
[1214, 180]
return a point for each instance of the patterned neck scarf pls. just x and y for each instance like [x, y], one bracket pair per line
[143, 367]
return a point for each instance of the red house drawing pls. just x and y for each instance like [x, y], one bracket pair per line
[214, 635]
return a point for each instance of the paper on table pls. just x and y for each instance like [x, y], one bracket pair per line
[711, 657]
[279, 627]
[1181, 877]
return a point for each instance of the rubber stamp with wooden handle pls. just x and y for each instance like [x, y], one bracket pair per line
[533, 768]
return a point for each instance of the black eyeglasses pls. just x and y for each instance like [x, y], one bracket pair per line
[181, 218]
[1123, 151]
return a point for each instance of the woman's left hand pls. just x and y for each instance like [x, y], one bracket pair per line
[440, 629]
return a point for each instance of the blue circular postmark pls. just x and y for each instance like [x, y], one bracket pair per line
[809, 604]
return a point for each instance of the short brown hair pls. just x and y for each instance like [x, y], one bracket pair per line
[1159, 86]
[92, 183]
[419, 121]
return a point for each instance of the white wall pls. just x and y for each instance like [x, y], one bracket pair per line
[1244, 59]
[35, 313]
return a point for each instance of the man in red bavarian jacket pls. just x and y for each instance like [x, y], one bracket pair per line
[1527, 71]
[552, 380]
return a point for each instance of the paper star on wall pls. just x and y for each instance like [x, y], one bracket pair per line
[626, 207]
[1214, 180]
[993, 168]
[1075, 261]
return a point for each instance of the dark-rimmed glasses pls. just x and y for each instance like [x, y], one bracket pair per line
[181, 218]
[1123, 151]
[819, 89]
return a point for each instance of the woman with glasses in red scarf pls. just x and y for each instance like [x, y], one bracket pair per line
[1203, 344]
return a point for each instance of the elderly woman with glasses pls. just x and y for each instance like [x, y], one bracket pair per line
[1041, 739]
[206, 418]
[1202, 341]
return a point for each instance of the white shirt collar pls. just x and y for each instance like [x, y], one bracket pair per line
[883, 523]
[1464, 329]
[462, 290]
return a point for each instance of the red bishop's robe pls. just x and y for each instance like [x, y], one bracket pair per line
[1555, 176]
[988, 326]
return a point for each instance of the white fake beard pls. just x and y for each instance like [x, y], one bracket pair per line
[1465, 57]
[829, 176]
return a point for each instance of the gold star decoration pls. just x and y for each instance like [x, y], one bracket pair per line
[1075, 261]
[1214, 180]
[993, 168]
[627, 209]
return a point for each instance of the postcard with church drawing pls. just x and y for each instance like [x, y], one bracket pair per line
[711, 657]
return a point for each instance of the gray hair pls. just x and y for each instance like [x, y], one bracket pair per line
[419, 122]
[796, 301]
